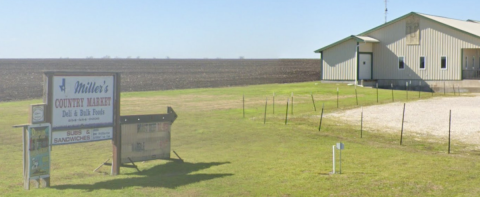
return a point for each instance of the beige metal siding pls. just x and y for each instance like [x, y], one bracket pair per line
[436, 40]
[366, 47]
[339, 61]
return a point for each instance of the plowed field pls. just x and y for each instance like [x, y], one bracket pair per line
[23, 78]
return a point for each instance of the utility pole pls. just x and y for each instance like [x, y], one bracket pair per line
[386, 10]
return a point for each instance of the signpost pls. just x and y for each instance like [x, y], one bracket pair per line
[36, 154]
[84, 107]
[340, 147]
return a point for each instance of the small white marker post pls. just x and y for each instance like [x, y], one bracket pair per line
[333, 150]
[340, 147]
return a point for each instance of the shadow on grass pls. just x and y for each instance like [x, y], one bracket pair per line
[169, 175]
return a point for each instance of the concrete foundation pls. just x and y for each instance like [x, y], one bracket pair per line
[467, 85]
[429, 86]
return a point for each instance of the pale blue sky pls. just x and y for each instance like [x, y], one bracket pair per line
[197, 29]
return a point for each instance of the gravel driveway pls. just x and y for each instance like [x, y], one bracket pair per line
[425, 117]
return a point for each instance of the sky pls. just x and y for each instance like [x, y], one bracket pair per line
[227, 29]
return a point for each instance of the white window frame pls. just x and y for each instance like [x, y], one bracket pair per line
[424, 63]
[446, 62]
[398, 62]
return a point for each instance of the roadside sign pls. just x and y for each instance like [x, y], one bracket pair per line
[38, 143]
[340, 146]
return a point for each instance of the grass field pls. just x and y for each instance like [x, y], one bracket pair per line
[228, 155]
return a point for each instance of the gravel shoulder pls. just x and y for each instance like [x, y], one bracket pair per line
[428, 118]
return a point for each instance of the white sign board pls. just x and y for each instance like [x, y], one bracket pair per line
[81, 135]
[82, 102]
[340, 146]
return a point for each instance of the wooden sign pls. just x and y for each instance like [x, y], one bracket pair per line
[146, 137]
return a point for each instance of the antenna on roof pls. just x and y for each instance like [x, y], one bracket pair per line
[386, 10]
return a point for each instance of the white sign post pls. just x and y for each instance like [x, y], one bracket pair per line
[340, 147]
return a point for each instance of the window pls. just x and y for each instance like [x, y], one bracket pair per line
[466, 63]
[422, 62]
[473, 63]
[401, 63]
[443, 62]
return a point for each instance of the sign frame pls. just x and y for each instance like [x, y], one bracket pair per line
[49, 89]
[28, 158]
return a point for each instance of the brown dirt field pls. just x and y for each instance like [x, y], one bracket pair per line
[23, 78]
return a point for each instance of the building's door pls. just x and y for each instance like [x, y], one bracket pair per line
[365, 66]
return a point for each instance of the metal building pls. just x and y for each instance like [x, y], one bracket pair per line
[415, 48]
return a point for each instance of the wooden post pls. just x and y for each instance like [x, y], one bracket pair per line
[403, 118]
[393, 99]
[26, 179]
[443, 87]
[313, 101]
[117, 136]
[273, 103]
[321, 117]
[286, 114]
[265, 113]
[453, 89]
[243, 105]
[458, 90]
[361, 125]
[377, 92]
[449, 127]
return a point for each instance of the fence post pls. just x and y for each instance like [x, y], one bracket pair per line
[265, 113]
[286, 114]
[313, 101]
[403, 118]
[377, 92]
[449, 127]
[321, 117]
[243, 105]
[361, 125]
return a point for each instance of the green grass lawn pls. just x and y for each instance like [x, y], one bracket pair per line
[228, 155]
